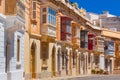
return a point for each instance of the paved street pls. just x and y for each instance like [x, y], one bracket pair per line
[98, 77]
[91, 77]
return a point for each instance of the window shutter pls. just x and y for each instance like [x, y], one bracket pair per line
[34, 9]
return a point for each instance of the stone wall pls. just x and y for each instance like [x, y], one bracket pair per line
[3, 75]
[15, 69]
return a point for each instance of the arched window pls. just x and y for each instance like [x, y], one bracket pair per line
[18, 50]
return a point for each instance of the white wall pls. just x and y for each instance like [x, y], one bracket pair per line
[15, 73]
[3, 75]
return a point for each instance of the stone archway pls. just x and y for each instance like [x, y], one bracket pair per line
[32, 60]
[53, 61]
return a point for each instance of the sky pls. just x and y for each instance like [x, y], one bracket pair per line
[98, 6]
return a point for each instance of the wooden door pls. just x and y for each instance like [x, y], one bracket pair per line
[32, 61]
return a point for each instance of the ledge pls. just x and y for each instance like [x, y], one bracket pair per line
[109, 33]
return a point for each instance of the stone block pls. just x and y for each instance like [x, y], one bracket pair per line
[3, 76]
[15, 75]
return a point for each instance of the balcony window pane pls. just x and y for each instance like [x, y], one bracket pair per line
[49, 18]
[54, 20]
[44, 18]
[34, 14]
[48, 10]
[68, 22]
[44, 9]
[34, 9]
[34, 5]
[68, 29]
[52, 16]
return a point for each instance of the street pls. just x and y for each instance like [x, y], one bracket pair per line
[87, 77]
[98, 77]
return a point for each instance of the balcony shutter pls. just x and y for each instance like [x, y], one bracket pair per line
[34, 9]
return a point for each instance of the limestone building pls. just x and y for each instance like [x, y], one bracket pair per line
[3, 74]
[13, 38]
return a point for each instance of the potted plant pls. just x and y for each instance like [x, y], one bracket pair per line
[93, 71]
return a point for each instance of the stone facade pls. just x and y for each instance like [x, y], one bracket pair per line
[3, 74]
[111, 23]
[32, 61]
[44, 39]
[15, 48]
[12, 38]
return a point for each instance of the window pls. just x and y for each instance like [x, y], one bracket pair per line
[51, 19]
[34, 8]
[33, 25]
[68, 37]
[86, 37]
[44, 10]
[51, 11]
[18, 50]
[54, 20]
[51, 16]
[44, 18]
[68, 29]
[34, 4]
[68, 22]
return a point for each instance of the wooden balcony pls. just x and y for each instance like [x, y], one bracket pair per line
[48, 30]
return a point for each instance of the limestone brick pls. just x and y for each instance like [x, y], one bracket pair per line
[15, 68]
[3, 75]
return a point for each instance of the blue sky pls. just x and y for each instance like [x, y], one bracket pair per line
[98, 6]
